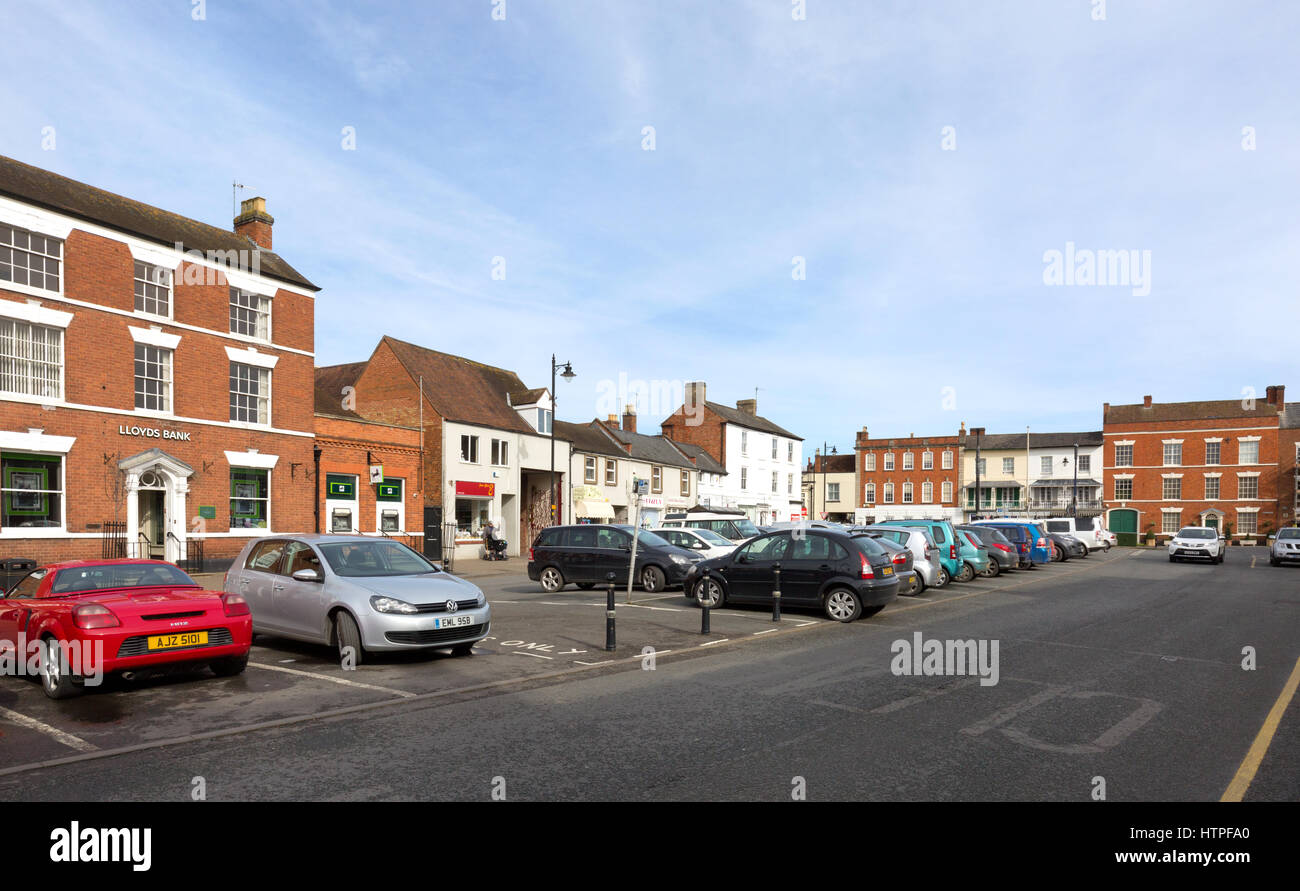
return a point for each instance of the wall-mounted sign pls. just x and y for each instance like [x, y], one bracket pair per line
[376, 473]
[475, 490]
[207, 512]
[652, 501]
[389, 490]
[153, 432]
[339, 485]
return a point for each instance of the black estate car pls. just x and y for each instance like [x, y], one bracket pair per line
[843, 574]
[586, 554]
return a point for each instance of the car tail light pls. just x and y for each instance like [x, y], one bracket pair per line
[867, 571]
[1024, 547]
[952, 552]
[530, 555]
[900, 559]
[1001, 547]
[1042, 542]
[234, 604]
[94, 615]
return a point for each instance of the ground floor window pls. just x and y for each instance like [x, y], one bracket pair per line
[1172, 521]
[31, 490]
[250, 498]
[472, 514]
[1248, 523]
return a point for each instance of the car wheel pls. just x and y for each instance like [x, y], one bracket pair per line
[1221, 556]
[348, 636]
[586, 586]
[552, 580]
[1171, 559]
[466, 649]
[967, 573]
[56, 678]
[843, 605]
[230, 666]
[714, 594]
[1272, 561]
[652, 579]
[995, 569]
[944, 578]
[1058, 555]
[913, 585]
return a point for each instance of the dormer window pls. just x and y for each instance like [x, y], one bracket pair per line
[544, 417]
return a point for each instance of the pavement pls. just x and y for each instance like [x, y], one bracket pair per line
[1121, 667]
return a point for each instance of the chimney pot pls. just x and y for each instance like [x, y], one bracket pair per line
[1281, 396]
[629, 419]
[254, 222]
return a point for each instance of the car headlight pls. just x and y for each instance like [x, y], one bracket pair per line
[482, 598]
[679, 559]
[383, 604]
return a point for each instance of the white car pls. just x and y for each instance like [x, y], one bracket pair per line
[1087, 529]
[705, 542]
[1197, 543]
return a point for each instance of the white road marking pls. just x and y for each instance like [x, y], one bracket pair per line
[768, 631]
[67, 739]
[712, 642]
[606, 662]
[661, 609]
[287, 661]
[333, 680]
[526, 653]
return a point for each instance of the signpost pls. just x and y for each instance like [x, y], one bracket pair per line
[639, 487]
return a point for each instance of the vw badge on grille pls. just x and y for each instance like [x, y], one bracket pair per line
[451, 606]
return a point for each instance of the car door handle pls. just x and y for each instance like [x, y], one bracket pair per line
[824, 567]
[277, 587]
[243, 581]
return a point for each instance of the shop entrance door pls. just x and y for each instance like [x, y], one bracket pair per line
[151, 540]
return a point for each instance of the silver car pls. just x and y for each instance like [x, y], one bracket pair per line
[1285, 546]
[358, 593]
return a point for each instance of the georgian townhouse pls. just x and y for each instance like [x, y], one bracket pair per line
[673, 478]
[155, 377]
[600, 469]
[763, 461]
[910, 477]
[830, 485]
[1040, 464]
[486, 443]
[1175, 464]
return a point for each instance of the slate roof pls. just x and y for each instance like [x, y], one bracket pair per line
[527, 397]
[997, 441]
[50, 191]
[833, 464]
[588, 439]
[652, 449]
[704, 462]
[1291, 416]
[1189, 411]
[753, 422]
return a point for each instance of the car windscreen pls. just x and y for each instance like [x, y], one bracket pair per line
[649, 539]
[746, 528]
[370, 559]
[1196, 533]
[120, 575]
[870, 546]
[713, 538]
[1289, 532]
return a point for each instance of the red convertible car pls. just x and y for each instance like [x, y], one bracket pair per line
[73, 623]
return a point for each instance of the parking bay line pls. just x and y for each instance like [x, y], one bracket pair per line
[72, 742]
[324, 677]
[1245, 775]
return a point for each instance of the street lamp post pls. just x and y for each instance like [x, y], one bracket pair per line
[568, 375]
[825, 507]
[1074, 498]
[979, 434]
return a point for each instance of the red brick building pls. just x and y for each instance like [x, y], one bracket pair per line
[153, 371]
[910, 477]
[1214, 463]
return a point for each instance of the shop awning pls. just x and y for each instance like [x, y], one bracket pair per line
[1069, 484]
[593, 509]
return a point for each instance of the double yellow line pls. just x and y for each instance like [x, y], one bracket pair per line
[1236, 790]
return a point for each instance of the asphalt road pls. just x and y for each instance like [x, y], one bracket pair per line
[1121, 669]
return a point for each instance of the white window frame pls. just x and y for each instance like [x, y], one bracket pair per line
[889, 461]
[832, 492]
[869, 460]
[909, 461]
[927, 460]
[469, 448]
[1218, 487]
[28, 329]
[237, 309]
[1127, 448]
[165, 359]
[153, 275]
[500, 453]
[260, 373]
[927, 493]
[1242, 442]
[889, 493]
[946, 491]
[1169, 445]
[1009, 465]
[35, 442]
[1241, 479]
[10, 284]
[909, 493]
[869, 493]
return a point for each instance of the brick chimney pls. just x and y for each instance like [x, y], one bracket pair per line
[612, 420]
[629, 419]
[1105, 409]
[254, 222]
[748, 406]
[1146, 401]
[1281, 396]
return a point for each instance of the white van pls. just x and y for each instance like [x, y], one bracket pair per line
[735, 526]
[1088, 530]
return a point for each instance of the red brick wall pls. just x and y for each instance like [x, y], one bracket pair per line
[709, 434]
[916, 476]
[1287, 440]
[344, 445]
[1148, 470]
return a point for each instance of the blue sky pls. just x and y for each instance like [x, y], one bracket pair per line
[774, 139]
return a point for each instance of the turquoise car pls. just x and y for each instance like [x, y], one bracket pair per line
[950, 554]
[975, 560]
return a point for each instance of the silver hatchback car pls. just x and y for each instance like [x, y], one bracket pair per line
[359, 592]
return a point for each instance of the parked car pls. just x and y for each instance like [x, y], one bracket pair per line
[1285, 546]
[1197, 543]
[1065, 547]
[1002, 553]
[925, 553]
[975, 557]
[1029, 536]
[586, 554]
[357, 593]
[846, 576]
[944, 536]
[909, 580]
[705, 542]
[1087, 529]
[97, 617]
[733, 526]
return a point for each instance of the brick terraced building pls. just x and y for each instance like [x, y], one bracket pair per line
[1175, 464]
[155, 374]
[912, 477]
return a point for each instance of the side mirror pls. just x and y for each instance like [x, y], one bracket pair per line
[306, 575]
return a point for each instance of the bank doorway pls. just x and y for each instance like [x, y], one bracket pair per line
[152, 529]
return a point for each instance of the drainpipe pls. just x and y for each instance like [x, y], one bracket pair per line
[316, 460]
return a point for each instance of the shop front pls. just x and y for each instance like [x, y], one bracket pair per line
[475, 507]
[591, 506]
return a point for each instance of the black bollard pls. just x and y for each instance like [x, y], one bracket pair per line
[701, 591]
[609, 612]
[776, 596]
